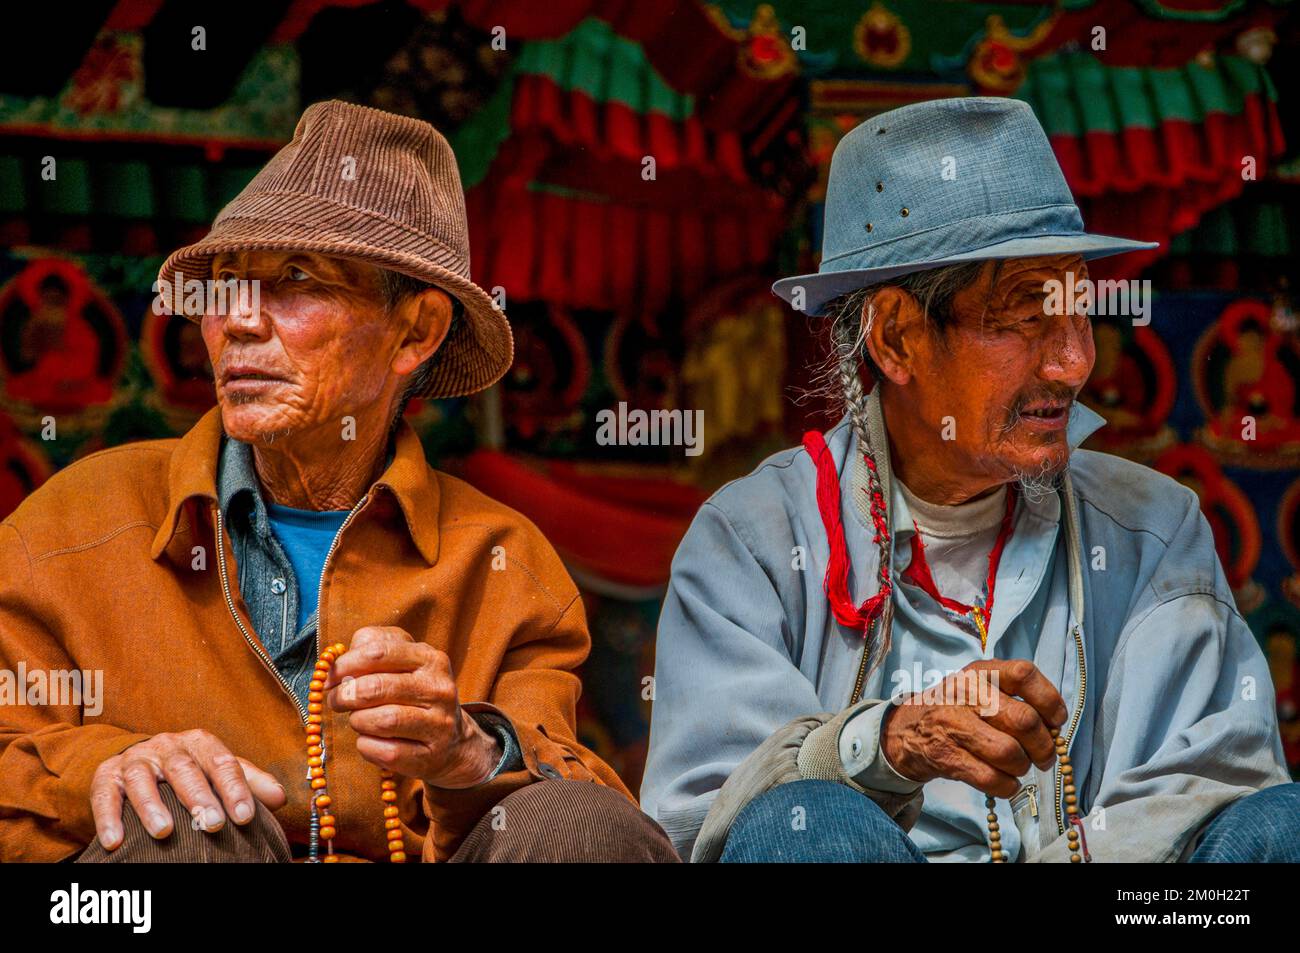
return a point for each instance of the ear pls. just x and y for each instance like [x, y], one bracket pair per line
[894, 330]
[427, 317]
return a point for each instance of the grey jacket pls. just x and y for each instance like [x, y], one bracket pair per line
[1170, 701]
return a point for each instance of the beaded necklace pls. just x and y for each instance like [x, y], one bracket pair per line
[863, 618]
[324, 825]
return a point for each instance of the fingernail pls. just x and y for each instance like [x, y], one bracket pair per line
[156, 822]
[348, 691]
[243, 811]
[211, 818]
[110, 836]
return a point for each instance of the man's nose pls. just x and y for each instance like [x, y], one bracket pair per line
[241, 313]
[1070, 352]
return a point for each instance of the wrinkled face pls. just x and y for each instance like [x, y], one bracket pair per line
[1006, 372]
[318, 349]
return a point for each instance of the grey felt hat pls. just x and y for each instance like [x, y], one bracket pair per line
[942, 182]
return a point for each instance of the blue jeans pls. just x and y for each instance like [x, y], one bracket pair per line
[825, 822]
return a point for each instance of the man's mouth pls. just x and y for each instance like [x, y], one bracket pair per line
[243, 378]
[1046, 414]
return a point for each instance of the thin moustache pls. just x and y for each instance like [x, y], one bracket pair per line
[1053, 400]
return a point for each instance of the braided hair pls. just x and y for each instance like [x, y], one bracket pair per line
[850, 319]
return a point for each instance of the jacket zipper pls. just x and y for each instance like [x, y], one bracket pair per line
[230, 602]
[862, 665]
[325, 567]
[1028, 793]
[1074, 723]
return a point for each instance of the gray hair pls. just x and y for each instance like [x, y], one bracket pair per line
[396, 287]
[841, 377]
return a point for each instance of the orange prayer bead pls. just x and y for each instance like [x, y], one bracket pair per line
[315, 707]
[327, 833]
[317, 783]
[388, 785]
[394, 845]
[392, 822]
[331, 858]
[315, 719]
[315, 685]
[391, 812]
[398, 857]
[327, 820]
[316, 772]
[315, 696]
[313, 761]
[314, 751]
[324, 801]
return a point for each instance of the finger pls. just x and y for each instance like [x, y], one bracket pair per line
[106, 807]
[401, 756]
[996, 748]
[189, 779]
[421, 689]
[140, 781]
[1022, 722]
[376, 655]
[226, 775]
[264, 785]
[965, 767]
[427, 726]
[1022, 678]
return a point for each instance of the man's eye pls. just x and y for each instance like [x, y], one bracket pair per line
[297, 274]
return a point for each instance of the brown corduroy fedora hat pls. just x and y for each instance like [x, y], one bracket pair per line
[363, 183]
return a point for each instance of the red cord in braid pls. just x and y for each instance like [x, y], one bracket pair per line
[836, 584]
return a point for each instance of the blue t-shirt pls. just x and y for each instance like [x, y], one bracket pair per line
[306, 536]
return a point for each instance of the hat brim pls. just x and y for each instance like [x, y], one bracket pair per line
[823, 287]
[473, 358]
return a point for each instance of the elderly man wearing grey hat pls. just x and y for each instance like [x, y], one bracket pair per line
[834, 680]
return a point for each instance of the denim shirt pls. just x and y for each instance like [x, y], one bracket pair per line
[270, 589]
[1124, 607]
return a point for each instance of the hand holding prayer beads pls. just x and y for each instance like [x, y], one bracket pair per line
[1074, 826]
[324, 825]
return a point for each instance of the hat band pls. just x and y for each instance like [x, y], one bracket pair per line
[959, 237]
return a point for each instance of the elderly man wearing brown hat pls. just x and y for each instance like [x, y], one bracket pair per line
[312, 644]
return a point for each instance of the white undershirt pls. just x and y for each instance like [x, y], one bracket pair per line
[958, 540]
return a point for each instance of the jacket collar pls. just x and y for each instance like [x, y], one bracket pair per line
[195, 463]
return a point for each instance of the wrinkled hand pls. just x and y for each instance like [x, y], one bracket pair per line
[406, 712]
[930, 736]
[212, 783]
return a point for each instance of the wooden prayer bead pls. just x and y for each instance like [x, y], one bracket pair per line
[1071, 801]
[327, 830]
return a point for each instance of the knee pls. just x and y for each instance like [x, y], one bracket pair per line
[261, 840]
[816, 821]
[1263, 827]
[567, 822]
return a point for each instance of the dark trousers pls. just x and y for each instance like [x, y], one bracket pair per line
[545, 822]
